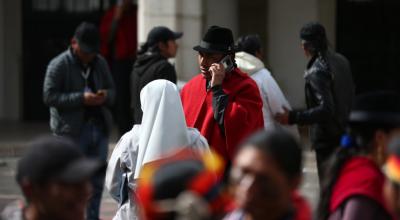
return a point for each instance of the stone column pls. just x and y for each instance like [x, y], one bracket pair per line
[178, 15]
[10, 59]
[222, 13]
[2, 80]
[327, 17]
[285, 56]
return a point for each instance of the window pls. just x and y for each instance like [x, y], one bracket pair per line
[74, 6]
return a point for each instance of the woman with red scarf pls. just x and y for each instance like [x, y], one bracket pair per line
[354, 189]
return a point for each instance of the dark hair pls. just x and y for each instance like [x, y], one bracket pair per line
[313, 33]
[282, 147]
[249, 43]
[315, 36]
[146, 47]
[158, 34]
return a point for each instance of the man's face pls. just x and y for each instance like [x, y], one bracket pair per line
[168, 49]
[84, 57]
[62, 201]
[306, 51]
[205, 60]
[261, 189]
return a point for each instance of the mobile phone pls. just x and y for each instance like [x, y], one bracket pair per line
[101, 92]
[227, 63]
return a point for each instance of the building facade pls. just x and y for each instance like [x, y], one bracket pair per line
[277, 22]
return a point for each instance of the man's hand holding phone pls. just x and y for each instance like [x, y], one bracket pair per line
[101, 96]
[102, 92]
[217, 71]
[94, 99]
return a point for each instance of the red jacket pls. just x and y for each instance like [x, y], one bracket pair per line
[242, 117]
[125, 36]
[302, 208]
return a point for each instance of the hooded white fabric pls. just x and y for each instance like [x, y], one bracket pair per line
[163, 130]
[248, 63]
[273, 98]
[163, 124]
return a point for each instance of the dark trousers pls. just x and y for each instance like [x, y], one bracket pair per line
[323, 153]
[121, 71]
[94, 143]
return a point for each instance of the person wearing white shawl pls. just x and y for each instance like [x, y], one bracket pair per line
[163, 130]
[249, 61]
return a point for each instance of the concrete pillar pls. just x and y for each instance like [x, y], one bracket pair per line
[190, 21]
[2, 73]
[179, 15]
[285, 56]
[327, 17]
[12, 58]
[222, 13]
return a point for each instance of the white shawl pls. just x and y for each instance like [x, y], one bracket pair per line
[163, 127]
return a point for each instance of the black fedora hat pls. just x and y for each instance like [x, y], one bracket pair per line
[378, 107]
[217, 40]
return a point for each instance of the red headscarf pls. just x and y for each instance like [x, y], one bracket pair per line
[358, 176]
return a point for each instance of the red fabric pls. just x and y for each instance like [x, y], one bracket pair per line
[303, 211]
[359, 176]
[243, 115]
[126, 35]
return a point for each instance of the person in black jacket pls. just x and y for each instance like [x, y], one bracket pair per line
[329, 91]
[152, 63]
[79, 91]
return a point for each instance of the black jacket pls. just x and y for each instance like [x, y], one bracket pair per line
[148, 67]
[329, 91]
[63, 90]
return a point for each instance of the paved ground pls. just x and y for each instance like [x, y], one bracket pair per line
[14, 136]
[9, 190]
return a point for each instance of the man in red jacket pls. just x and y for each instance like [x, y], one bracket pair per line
[222, 102]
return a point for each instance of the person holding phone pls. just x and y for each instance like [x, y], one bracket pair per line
[222, 102]
[79, 91]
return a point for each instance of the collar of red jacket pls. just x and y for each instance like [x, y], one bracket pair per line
[358, 176]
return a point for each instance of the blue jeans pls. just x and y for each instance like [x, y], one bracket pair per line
[94, 144]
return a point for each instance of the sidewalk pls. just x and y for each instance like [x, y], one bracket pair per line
[13, 139]
[14, 136]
